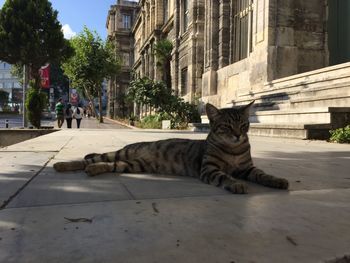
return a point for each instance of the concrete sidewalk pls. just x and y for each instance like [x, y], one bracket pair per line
[147, 218]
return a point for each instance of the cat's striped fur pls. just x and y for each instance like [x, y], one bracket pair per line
[219, 160]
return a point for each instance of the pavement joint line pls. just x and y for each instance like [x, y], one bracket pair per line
[6, 202]
[127, 190]
[28, 151]
[124, 200]
[224, 194]
[158, 198]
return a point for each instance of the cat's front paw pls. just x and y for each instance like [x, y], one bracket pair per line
[280, 183]
[237, 188]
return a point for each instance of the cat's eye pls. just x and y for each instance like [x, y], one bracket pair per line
[244, 126]
[224, 129]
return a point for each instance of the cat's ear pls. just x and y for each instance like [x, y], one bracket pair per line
[212, 112]
[246, 108]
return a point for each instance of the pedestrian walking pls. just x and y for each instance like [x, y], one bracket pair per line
[69, 115]
[78, 115]
[59, 112]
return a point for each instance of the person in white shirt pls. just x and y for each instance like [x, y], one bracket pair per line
[78, 115]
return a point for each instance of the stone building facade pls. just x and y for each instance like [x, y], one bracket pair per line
[181, 22]
[259, 41]
[120, 20]
[290, 56]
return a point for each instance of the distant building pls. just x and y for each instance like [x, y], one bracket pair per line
[10, 83]
[120, 20]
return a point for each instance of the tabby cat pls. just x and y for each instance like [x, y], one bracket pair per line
[219, 160]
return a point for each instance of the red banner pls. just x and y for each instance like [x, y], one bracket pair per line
[45, 76]
[74, 96]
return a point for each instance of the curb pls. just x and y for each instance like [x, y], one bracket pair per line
[121, 123]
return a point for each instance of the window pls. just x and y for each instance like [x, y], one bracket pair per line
[165, 11]
[185, 15]
[8, 85]
[126, 19]
[126, 59]
[338, 31]
[183, 81]
[242, 32]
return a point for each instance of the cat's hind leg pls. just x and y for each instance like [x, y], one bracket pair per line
[134, 166]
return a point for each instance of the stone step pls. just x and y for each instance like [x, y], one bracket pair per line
[286, 130]
[330, 96]
[282, 130]
[199, 127]
[296, 116]
[311, 123]
[289, 116]
[337, 116]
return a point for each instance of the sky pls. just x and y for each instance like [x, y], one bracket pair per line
[74, 14]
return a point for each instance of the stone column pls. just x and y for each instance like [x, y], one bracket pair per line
[175, 54]
[211, 30]
[151, 61]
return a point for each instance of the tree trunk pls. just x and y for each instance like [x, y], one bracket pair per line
[91, 101]
[100, 106]
[167, 73]
[25, 87]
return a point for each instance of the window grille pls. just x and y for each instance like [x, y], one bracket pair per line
[126, 20]
[242, 33]
[165, 11]
[185, 15]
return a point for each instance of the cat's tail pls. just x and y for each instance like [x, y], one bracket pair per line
[88, 159]
[70, 166]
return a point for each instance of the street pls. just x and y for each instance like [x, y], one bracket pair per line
[92, 123]
[160, 218]
[15, 121]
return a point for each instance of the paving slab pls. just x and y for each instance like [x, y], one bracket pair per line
[17, 169]
[292, 227]
[162, 218]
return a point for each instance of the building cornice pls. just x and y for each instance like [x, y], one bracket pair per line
[155, 33]
[168, 25]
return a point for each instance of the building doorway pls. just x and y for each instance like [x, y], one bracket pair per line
[339, 31]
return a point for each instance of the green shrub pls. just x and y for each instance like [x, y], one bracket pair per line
[151, 122]
[341, 135]
[167, 105]
[35, 103]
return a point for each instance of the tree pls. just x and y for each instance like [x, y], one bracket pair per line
[156, 94]
[57, 77]
[163, 51]
[94, 60]
[31, 35]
